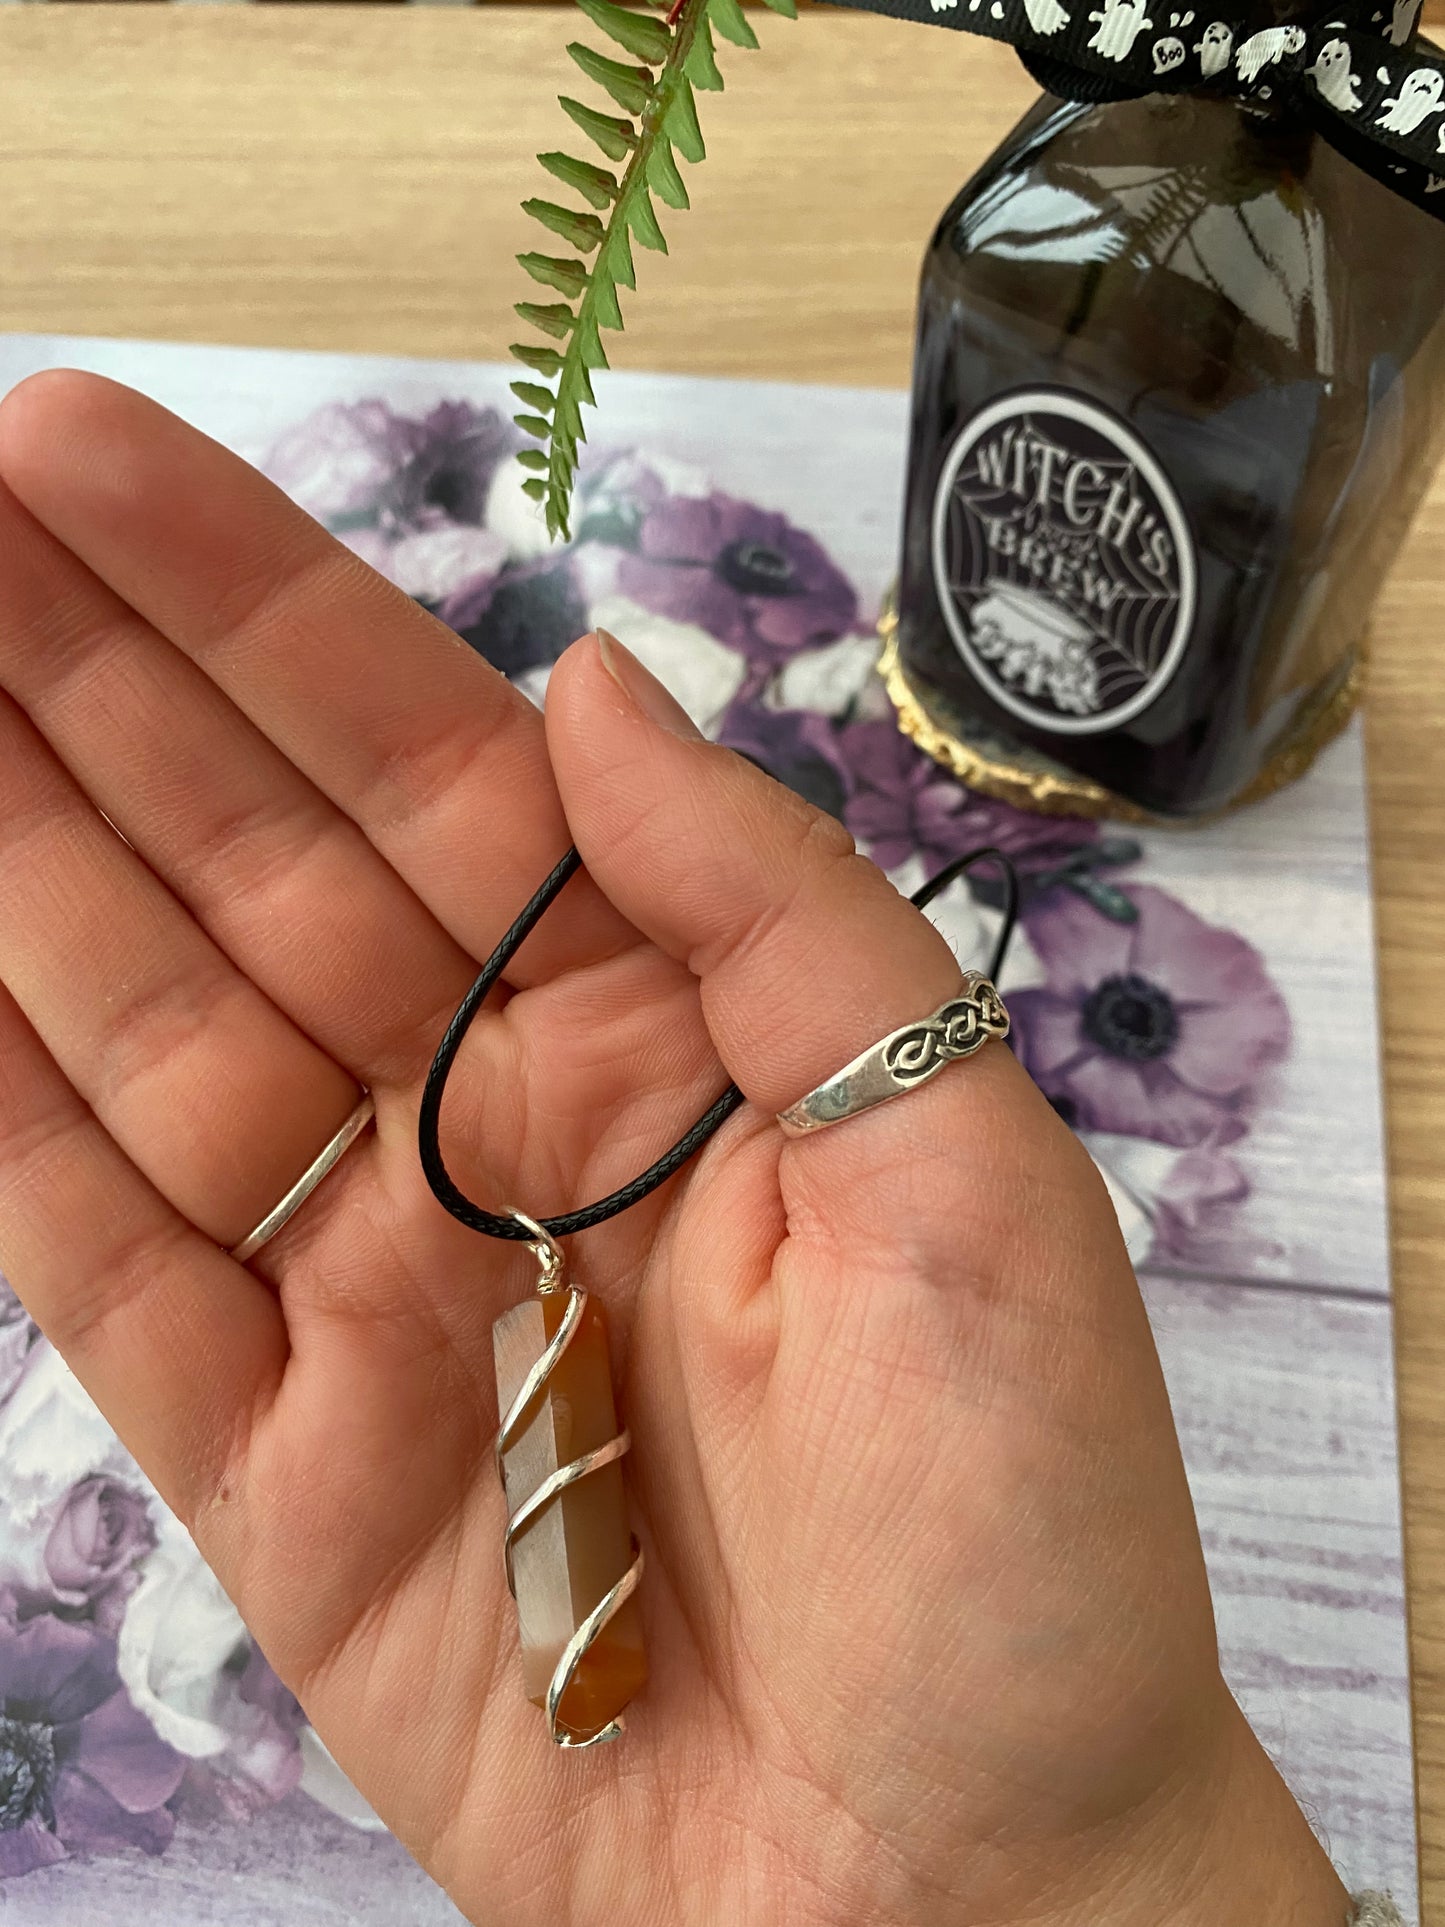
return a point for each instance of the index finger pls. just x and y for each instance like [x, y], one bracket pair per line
[440, 762]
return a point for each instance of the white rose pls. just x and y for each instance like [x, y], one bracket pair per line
[51, 1437]
[432, 562]
[514, 516]
[971, 928]
[1133, 1171]
[178, 1634]
[702, 673]
[830, 680]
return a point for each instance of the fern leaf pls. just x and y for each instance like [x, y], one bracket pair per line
[619, 257]
[605, 303]
[584, 231]
[701, 63]
[546, 361]
[535, 396]
[555, 319]
[680, 123]
[663, 177]
[640, 34]
[589, 342]
[594, 184]
[643, 221]
[661, 117]
[615, 137]
[630, 87]
[569, 418]
[567, 277]
[731, 22]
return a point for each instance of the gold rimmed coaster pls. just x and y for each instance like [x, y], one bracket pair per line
[1031, 781]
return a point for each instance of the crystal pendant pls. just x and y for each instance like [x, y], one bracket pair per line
[572, 1564]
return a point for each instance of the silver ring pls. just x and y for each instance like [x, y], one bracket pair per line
[301, 1190]
[904, 1059]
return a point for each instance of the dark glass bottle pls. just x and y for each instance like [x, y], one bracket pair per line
[1180, 378]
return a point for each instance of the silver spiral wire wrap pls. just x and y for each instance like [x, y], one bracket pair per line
[550, 1258]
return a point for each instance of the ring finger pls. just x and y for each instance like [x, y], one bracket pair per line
[214, 1094]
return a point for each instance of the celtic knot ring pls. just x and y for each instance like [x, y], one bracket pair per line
[904, 1059]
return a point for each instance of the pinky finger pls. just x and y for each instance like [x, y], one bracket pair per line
[180, 1347]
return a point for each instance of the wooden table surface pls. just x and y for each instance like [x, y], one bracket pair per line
[348, 178]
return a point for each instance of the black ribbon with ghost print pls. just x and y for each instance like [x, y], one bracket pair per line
[1355, 73]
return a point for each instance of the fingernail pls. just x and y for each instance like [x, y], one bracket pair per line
[653, 698]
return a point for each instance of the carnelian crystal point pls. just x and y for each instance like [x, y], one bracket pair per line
[580, 1545]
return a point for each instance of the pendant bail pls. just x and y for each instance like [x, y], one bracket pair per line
[551, 1258]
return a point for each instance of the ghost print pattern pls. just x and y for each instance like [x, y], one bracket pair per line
[1120, 24]
[1169, 52]
[1421, 94]
[1214, 49]
[1365, 69]
[1332, 75]
[1046, 16]
[1263, 49]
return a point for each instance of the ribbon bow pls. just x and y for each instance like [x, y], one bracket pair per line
[1355, 73]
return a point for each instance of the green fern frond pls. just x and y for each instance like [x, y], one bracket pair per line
[658, 122]
[594, 184]
[701, 63]
[615, 137]
[567, 277]
[628, 86]
[641, 34]
[732, 23]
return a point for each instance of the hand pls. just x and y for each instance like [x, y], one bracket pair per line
[929, 1628]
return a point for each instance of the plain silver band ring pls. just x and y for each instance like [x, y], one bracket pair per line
[301, 1190]
[904, 1059]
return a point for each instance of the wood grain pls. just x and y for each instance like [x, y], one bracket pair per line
[1283, 1407]
[348, 178]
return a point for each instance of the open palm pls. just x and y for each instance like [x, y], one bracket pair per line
[927, 1620]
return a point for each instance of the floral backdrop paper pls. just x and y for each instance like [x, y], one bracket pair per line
[1176, 995]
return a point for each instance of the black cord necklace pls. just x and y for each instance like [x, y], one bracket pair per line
[491, 1223]
[554, 1391]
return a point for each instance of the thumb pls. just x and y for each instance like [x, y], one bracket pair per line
[805, 953]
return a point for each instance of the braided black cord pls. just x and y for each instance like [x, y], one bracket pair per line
[429, 1122]
[950, 872]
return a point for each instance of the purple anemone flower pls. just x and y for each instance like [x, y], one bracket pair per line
[450, 473]
[797, 746]
[407, 496]
[745, 574]
[354, 463]
[901, 801]
[521, 617]
[1158, 1029]
[80, 1768]
[341, 461]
